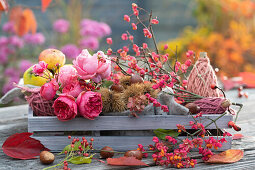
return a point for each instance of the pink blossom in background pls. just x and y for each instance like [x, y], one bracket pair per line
[3, 57]
[40, 68]
[24, 65]
[90, 43]
[89, 104]
[34, 39]
[91, 28]
[104, 67]
[86, 65]
[67, 75]
[70, 50]
[16, 41]
[61, 26]
[11, 72]
[3, 41]
[8, 27]
[7, 86]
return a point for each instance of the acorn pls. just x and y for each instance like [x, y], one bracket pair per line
[134, 153]
[47, 157]
[104, 153]
[193, 108]
[136, 79]
[117, 87]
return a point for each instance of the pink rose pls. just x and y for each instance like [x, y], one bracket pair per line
[65, 107]
[89, 104]
[40, 68]
[86, 65]
[67, 75]
[48, 90]
[73, 89]
[104, 67]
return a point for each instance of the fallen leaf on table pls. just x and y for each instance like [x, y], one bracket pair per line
[228, 156]
[22, 146]
[125, 161]
[237, 136]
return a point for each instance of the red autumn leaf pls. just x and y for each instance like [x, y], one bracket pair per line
[30, 20]
[3, 5]
[45, 4]
[22, 146]
[228, 156]
[125, 161]
[237, 136]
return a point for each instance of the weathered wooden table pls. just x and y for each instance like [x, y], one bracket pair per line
[14, 120]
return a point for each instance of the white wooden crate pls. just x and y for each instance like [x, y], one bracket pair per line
[48, 129]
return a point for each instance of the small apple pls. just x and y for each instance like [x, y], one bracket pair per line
[52, 57]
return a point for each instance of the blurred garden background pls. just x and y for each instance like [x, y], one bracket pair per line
[225, 29]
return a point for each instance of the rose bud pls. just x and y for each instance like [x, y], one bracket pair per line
[104, 153]
[134, 153]
[48, 90]
[47, 157]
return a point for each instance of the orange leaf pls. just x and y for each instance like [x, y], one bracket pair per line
[125, 161]
[237, 136]
[45, 4]
[228, 156]
[30, 20]
[3, 5]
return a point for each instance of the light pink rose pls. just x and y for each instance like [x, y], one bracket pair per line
[73, 89]
[65, 107]
[104, 67]
[48, 90]
[39, 68]
[67, 75]
[89, 104]
[86, 65]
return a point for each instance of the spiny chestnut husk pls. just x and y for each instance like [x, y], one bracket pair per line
[47, 157]
[134, 153]
[104, 153]
[193, 108]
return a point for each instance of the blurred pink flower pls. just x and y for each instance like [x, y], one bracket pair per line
[40, 68]
[65, 107]
[34, 39]
[8, 27]
[24, 65]
[73, 89]
[11, 72]
[90, 43]
[94, 28]
[48, 90]
[67, 75]
[7, 86]
[104, 67]
[61, 25]
[3, 57]
[89, 104]
[16, 41]
[86, 65]
[70, 50]
[3, 41]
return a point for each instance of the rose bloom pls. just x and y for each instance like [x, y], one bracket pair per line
[67, 74]
[86, 65]
[104, 67]
[89, 104]
[48, 90]
[65, 107]
[40, 68]
[61, 25]
[73, 89]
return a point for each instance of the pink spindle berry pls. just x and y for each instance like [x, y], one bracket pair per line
[134, 26]
[131, 37]
[124, 36]
[126, 18]
[165, 46]
[145, 45]
[109, 41]
[154, 21]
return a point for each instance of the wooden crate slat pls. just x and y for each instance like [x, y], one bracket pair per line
[146, 122]
[118, 143]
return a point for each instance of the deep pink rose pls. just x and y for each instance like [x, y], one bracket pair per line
[104, 67]
[65, 107]
[86, 65]
[48, 90]
[89, 104]
[67, 75]
[73, 89]
[39, 68]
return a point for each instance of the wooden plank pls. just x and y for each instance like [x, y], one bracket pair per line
[146, 122]
[118, 143]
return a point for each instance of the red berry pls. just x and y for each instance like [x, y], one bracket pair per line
[69, 137]
[65, 152]
[92, 139]
[213, 86]
[86, 154]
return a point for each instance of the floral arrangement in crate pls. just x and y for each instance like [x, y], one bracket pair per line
[140, 78]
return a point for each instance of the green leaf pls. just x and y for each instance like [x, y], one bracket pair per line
[80, 160]
[162, 133]
[107, 84]
[68, 148]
